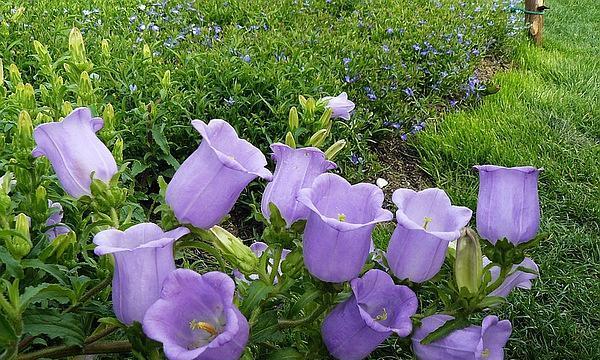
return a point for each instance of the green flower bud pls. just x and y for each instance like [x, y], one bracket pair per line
[318, 138]
[41, 199]
[43, 55]
[302, 101]
[105, 48]
[166, 80]
[20, 246]
[86, 91]
[67, 108]
[147, 53]
[108, 115]
[469, 261]
[311, 105]
[233, 250]
[118, 150]
[18, 14]
[42, 118]
[325, 120]
[5, 202]
[24, 127]
[25, 96]
[14, 75]
[77, 46]
[332, 151]
[293, 119]
[1, 73]
[289, 140]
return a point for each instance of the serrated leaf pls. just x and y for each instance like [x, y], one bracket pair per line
[160, 139]
[266, 328]
[306, 298]
[257, 292]
[445, 330]
[13, 267]
[491, 301]
[57, 271]
[47, 292]
[111, 321]
[7, 333]
[49, 322]
[286, 354]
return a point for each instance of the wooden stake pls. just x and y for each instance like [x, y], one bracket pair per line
[535, 21]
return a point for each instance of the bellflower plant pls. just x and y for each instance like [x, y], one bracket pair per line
[143, 260]
[339, 226]
[54, 220]
[296, 169]
[508, 204]
[517, 279]
[472, 343]
[258, 248]
[195, 318]
[340, 105]
[206, 186]
[427, 222]
[75, 151]
[377, 309]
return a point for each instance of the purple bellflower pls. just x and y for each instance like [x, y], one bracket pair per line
[54, 220]
[517, 278]
[340, 105]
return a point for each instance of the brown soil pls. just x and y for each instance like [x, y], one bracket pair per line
[490, 67]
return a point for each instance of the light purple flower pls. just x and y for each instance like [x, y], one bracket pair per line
[427, 222]
[340, 105]
[338, 231]
[508, 205]
[485, 342]
[518, 279]
[258, 248]
[75, 151]
[143, 260]
[195, 318]
[208, 183]
[377, 309]
[54, 219]
[295, 170]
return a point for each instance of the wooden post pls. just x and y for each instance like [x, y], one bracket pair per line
[535, 21]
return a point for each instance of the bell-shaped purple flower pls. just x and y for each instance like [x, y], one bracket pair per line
[195, 318]
[296, 169]
[508, 205]
[143, 260]
[485, 342]
[208, 183]
[376, 309]
[340, 106]
[517, 278]
[337, 236]
[54, 220]
[427, 222]
[75, 151]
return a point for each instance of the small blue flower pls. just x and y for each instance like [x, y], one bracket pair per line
[355, 159]
[389, 31]
[416, 47]
[230, 101]
[346, 60]
[246, 58]
[133, 88]
[404, 137]
[385, 48]
[409, 92]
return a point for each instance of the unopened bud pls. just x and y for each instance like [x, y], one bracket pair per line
[293, 122]
[41, 199]
[311, 105]
[108, 115]
[289, 140]
[166, 80]
[17, 14]
[67, 108]
[20, 246]
[86, 91]
[469, 261]
[147, 53]
[233, 250]
[302, 101]
[14, 75]
[334, 149]
[118, 150]
[77, 46]
[43, 55]
[1, 73]
[105, 48]
[25, 95]
[24, 126]
[318, 138]
[325, 120]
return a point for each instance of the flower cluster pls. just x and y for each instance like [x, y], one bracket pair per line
[318, 237]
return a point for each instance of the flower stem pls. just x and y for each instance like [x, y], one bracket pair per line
[110, 347]
[284, 323]
[496, 284]
[275, 267]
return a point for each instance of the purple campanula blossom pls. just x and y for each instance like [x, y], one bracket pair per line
[295, 170]
[75, 151]
[339, 226]
[427, 222]
[195, 318]
[54, 220]
[472, 343]
[340, 105]
[518, 279]
[207, 184]
[377, 309]
[143, 259]
[508, 205]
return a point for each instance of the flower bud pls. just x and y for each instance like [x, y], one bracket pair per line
[147, 53]
[293, 119]
[67, 108]
[14, 75]
[318, 138]
[289, 140]
[77, 46]
[311, 105]
[20, 246]
[302, 101]
[5, 201]
[325, 120]
[25, 96]
[118, 150]
[105, 48]
[332, 151]
[166, 80]
[43, 55]
[108, 114]
[86, 91]
[233, 249]
[469, 261]
[41, 199]
[24, 127]
[17, 14]
[1, 73]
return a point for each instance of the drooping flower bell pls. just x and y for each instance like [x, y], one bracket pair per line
[517, 278]
[296, 169]
[508, 205]
[195, 318]
[143, 260]
[340, 106]
[427, 223]
[208, 183]
[485, 342]
[377, 309]
[75, 151]
[337, 236]
[54, 220]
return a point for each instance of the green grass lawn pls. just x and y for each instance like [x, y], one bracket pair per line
[547, 114]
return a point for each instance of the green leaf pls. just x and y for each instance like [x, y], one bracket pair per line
[13, 267]
[266, 328]
[160, 139]
[445, 330]
[111, 321]
[276, 219]
[257, 292]
[57, 271]
[491, 301]
[286, 354]
[7, 333]
[306, 298]
[49, 322]
[47, 292]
